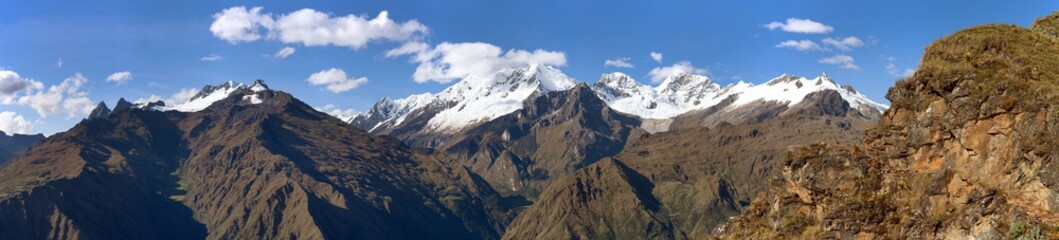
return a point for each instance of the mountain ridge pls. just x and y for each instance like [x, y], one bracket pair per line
[241, 168]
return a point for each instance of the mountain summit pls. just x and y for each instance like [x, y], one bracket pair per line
[683, 93]
[253, 164]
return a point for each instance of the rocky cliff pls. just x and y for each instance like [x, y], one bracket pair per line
[967, 151]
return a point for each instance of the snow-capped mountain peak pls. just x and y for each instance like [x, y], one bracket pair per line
[682, 93]
[793, 89]
[674, 96]
[471, 100]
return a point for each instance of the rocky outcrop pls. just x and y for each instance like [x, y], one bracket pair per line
[966, 152]
[101, 111]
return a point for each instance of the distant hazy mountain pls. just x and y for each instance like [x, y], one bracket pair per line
[13, 145]
[687, 100]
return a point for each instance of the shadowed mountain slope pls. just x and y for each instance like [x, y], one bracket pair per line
[680, 184]
[257, 164]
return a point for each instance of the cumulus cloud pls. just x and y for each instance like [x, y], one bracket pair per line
[211, 58]
[449, 61]
[797, 25]
[11, 122]
[179, 97]
[840, 60]
[67, 97]
[844, 44]
[120, 77]
[800, 45]
[336, 80]
[656, 56]
[149, 99]
[11, 83]
[618, 62]
[284, 53]
[239, 24]
[184, 95]
[310, 27]
[660, 73]
[344, 114]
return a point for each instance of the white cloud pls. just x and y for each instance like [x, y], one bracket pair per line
[148, 99]
[120, 77]
[312, 28]
[660, 73]
[284, 53]
[408, 48]
[211, 58]
[800, 45]
[78, 106]
[797, 25]
[449, 61]
[11, 122]
[344, 114]
[60, 63]
[336, 80]
[65, 96]
[238, 24]
[184, 95]
[893, 70]
[844, 44]
[179, 97]
[618, 62]
[842, 61]
[11, 83]
[656, 56]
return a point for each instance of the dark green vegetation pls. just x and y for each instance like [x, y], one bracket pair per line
[966, 151]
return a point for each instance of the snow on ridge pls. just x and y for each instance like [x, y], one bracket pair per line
[474, 98]
[213, 93]
[206, 97]
[682, 93]
[477, 99]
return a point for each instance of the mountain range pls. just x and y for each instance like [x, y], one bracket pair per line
[541, 125]
[245, 161]
[529, 153]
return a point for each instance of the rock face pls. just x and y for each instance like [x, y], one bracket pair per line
[101, 111]
[679, 184]
[966, 152]
[13, 145]
[554, 134]
[257, 164]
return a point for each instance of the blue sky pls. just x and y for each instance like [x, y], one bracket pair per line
[163, 45]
